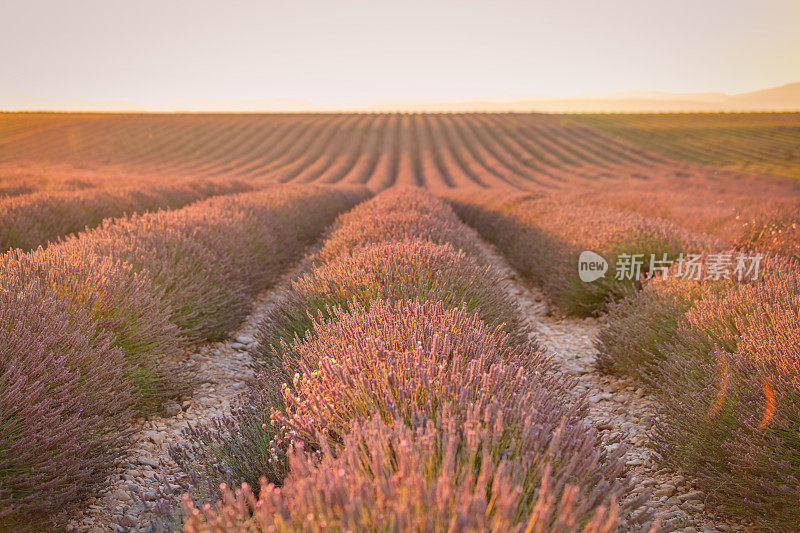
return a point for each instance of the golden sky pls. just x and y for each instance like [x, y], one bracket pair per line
[171, 54]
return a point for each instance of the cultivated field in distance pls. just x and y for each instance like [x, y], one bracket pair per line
[765, 143]
[60, 151]
[400, 321]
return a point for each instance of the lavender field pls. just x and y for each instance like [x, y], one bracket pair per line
[379, 322]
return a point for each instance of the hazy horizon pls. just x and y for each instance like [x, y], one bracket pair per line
[355, 54]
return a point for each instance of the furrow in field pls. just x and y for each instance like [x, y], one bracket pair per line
[296, 149]
[500, 152]
[384, 174]
[416, 155]
[273, 154]
[463, 153]
[146, 471]
[220, 147]
[266, 136]
[538, 154]
[476, 155]
[368, 159]
[492, 157]
[526, 155]
[551, 135]
[344, 162]
[431, 167]
[600, 147]
[314, 153]
[621, 411]
[459, 173]
[450, 166]
[407, 169]
[336, 147]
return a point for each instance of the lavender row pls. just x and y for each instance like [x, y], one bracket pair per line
[543, 238]
[408, 397]
[91, 329]
[721, 354]
[33, 220]
[724, 358]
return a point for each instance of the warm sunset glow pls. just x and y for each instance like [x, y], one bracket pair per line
[197, 55]
[305, 266]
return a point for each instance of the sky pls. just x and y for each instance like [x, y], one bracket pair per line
[174, 54]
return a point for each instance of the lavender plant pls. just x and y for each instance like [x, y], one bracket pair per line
[235, 449]
[208, 257]
[774, 230]
[411, 270]
[121, 302]
[543, 238]
[33, 220]
[91, 329]
[723, 358]
[389, 477]
[408, 335]
[63, 400]
[400, 214]
[403, 361]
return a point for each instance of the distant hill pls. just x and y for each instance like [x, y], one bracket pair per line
[783, 98]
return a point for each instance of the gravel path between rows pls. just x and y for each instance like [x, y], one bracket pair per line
[137, 485]
[618, 407]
